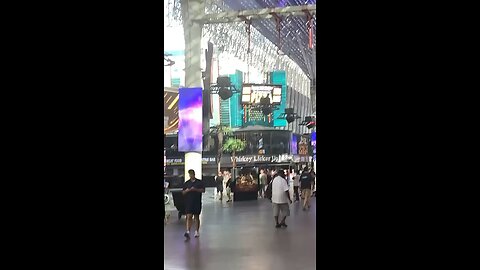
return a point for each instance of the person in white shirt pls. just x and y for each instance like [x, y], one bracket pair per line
[280, 199]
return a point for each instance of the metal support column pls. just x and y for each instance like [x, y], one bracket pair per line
[193, 69]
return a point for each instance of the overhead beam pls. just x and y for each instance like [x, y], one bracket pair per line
[252, 14]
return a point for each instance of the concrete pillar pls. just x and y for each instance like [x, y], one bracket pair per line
[193, 69]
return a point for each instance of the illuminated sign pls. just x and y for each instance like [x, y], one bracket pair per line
[181, 160]
[303, 146]
[314, 145]
[256, 159]
[190, 114]
[294, 145]
[255, 94]
[170, 110]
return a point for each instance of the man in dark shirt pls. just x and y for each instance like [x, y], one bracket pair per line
[306, 181]
[192, 190]
[219, 183]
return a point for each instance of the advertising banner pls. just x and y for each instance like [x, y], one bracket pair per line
[294, 145]
[314, 145]
[190, 120]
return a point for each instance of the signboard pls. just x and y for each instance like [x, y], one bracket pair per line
[303, 146]
[294, 145]
[301, 159]
[249, 159]
[170, 110]
[314, 145]
[285, 158]
[190, 114]
[181, 160]
[255, 94]
[175, 161]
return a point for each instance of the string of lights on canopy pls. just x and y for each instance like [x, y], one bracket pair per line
[298, 59]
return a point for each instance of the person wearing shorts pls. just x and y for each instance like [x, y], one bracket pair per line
[280, 199]
[306, 181]
[192, 190]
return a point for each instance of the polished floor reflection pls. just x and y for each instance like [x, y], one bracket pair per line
[242, 235]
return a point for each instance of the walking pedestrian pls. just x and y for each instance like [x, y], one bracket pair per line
[228, 186]
[306, 181]
[262, 180]
[192, 190]
[280, 199]
[219, 183]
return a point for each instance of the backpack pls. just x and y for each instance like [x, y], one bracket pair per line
[268, 191]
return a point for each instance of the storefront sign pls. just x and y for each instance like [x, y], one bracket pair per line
[303, 146]
[209, 160]
[301, 159]
[181, 161]
[227, 160]
[264, 159]
[175, 161]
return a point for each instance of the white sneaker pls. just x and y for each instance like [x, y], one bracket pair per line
[196, 234]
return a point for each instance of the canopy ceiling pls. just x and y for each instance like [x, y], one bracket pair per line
[294, 34]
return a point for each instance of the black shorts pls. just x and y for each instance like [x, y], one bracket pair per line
[191, 208]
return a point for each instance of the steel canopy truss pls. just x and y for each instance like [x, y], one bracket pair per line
[231, 37]
[293, 26]
[252, 14]
[294, 33]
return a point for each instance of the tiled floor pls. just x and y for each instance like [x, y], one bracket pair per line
[242, 235]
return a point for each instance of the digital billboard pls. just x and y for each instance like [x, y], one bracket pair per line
[190, 119]
[294, 145]
[255, 94]
[303, 146]
[314, 144]
[170, 110]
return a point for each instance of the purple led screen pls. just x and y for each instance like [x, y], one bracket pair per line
[294, 145]
[190, 120]
[314, 145]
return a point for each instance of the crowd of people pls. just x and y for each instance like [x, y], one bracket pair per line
[305, 188]
[291, 176]
[280, 193]
[279, 180]
[273, 184]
